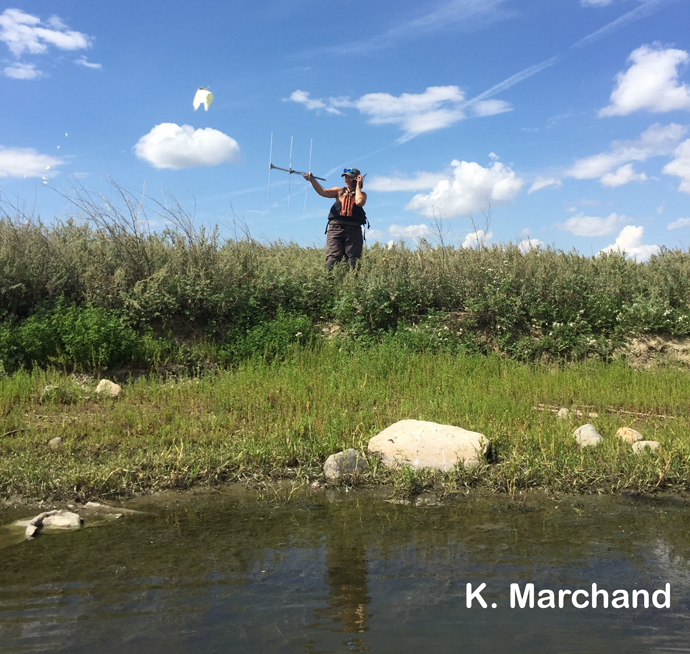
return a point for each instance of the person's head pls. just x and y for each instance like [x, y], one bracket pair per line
[350, 175]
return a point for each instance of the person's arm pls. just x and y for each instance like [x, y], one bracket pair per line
[323, 192]
[360, 195]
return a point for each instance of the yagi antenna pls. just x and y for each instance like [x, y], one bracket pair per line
[290, 170]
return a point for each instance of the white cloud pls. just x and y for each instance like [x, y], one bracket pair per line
[544, 182]
[413, 113]
[468, 189]
[582, 225]
[22, 71]
[680, 166]
[651, 83]
[624, 175]
[303, 98]
[25, 162]
[22, 32]
[529, 244]
[490, 107]
[657, 140]
[475, 239]
[83, 61]
[173, 146]
[420, 182]
[681, 222]
[595, 3]
[409, 231]
[630, 242]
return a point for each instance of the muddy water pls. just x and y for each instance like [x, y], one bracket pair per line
[348, 572]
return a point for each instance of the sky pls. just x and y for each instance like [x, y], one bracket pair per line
[541, 123]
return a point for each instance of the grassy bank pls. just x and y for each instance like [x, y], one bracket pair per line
[265, 421]
[101, 290]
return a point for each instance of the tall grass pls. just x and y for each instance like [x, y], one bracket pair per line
[136, 297]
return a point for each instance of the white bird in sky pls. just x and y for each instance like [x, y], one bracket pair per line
[203, 95]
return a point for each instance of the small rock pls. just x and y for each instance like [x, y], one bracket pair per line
[343, 464]
[62, 519]
[31, 532]
[107, 387]
[315, 485]
[55, 443]
[629, 435]
[422, 444]
[587, 436]
[640, 447]
[563, 413]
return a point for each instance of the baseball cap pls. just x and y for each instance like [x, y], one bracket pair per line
[351, 172]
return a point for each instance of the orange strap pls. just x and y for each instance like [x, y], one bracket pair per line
[347, 203]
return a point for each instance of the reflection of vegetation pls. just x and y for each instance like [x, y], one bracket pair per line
[265, 421]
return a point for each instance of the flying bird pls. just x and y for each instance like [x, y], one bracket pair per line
[203, 95]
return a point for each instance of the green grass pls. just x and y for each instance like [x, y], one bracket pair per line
[266, 421]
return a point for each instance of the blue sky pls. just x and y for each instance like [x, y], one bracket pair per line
[565, 123]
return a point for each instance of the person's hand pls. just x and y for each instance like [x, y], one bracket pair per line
[308, 176]
[359, 179]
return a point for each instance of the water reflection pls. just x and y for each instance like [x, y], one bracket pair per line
[340, 573]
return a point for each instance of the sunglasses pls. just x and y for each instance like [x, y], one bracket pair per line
[350, 171]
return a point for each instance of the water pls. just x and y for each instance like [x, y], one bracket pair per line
[347, 572]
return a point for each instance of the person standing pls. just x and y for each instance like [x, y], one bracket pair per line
[346, 219]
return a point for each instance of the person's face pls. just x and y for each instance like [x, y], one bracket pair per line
[350, 181]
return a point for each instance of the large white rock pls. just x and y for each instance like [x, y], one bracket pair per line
[422, 444]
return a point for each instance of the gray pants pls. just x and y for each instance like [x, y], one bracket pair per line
[343, 241]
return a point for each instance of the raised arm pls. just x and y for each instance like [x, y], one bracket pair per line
[323, 192]
[360, 195]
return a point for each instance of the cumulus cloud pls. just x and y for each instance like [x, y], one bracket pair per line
[624, 175]
[413, 113]
[681, 222]
[22, 71]
[27, 34]
[173, 146]
[83, 61]
[468, 188]
[477, 239]
[25, 162]
[582, 225]
[630, 242]
[529, 244]
[544, 182]
[22, 32]
[651, 83]
[680, 166]
[657, 140]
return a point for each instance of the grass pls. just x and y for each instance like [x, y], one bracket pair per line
[264, 421]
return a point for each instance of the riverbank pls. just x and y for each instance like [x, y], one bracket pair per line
[264, 422]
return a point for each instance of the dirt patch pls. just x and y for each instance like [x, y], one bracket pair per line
[650, 350]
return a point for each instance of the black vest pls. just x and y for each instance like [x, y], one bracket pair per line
[358, 216]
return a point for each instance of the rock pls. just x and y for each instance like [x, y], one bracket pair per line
[587, 436]
[422, 444]
[563, 413]
[50, 520]
[640, 447]
[108, 388]
[55, 443]
[344, 464]
[629, 435]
